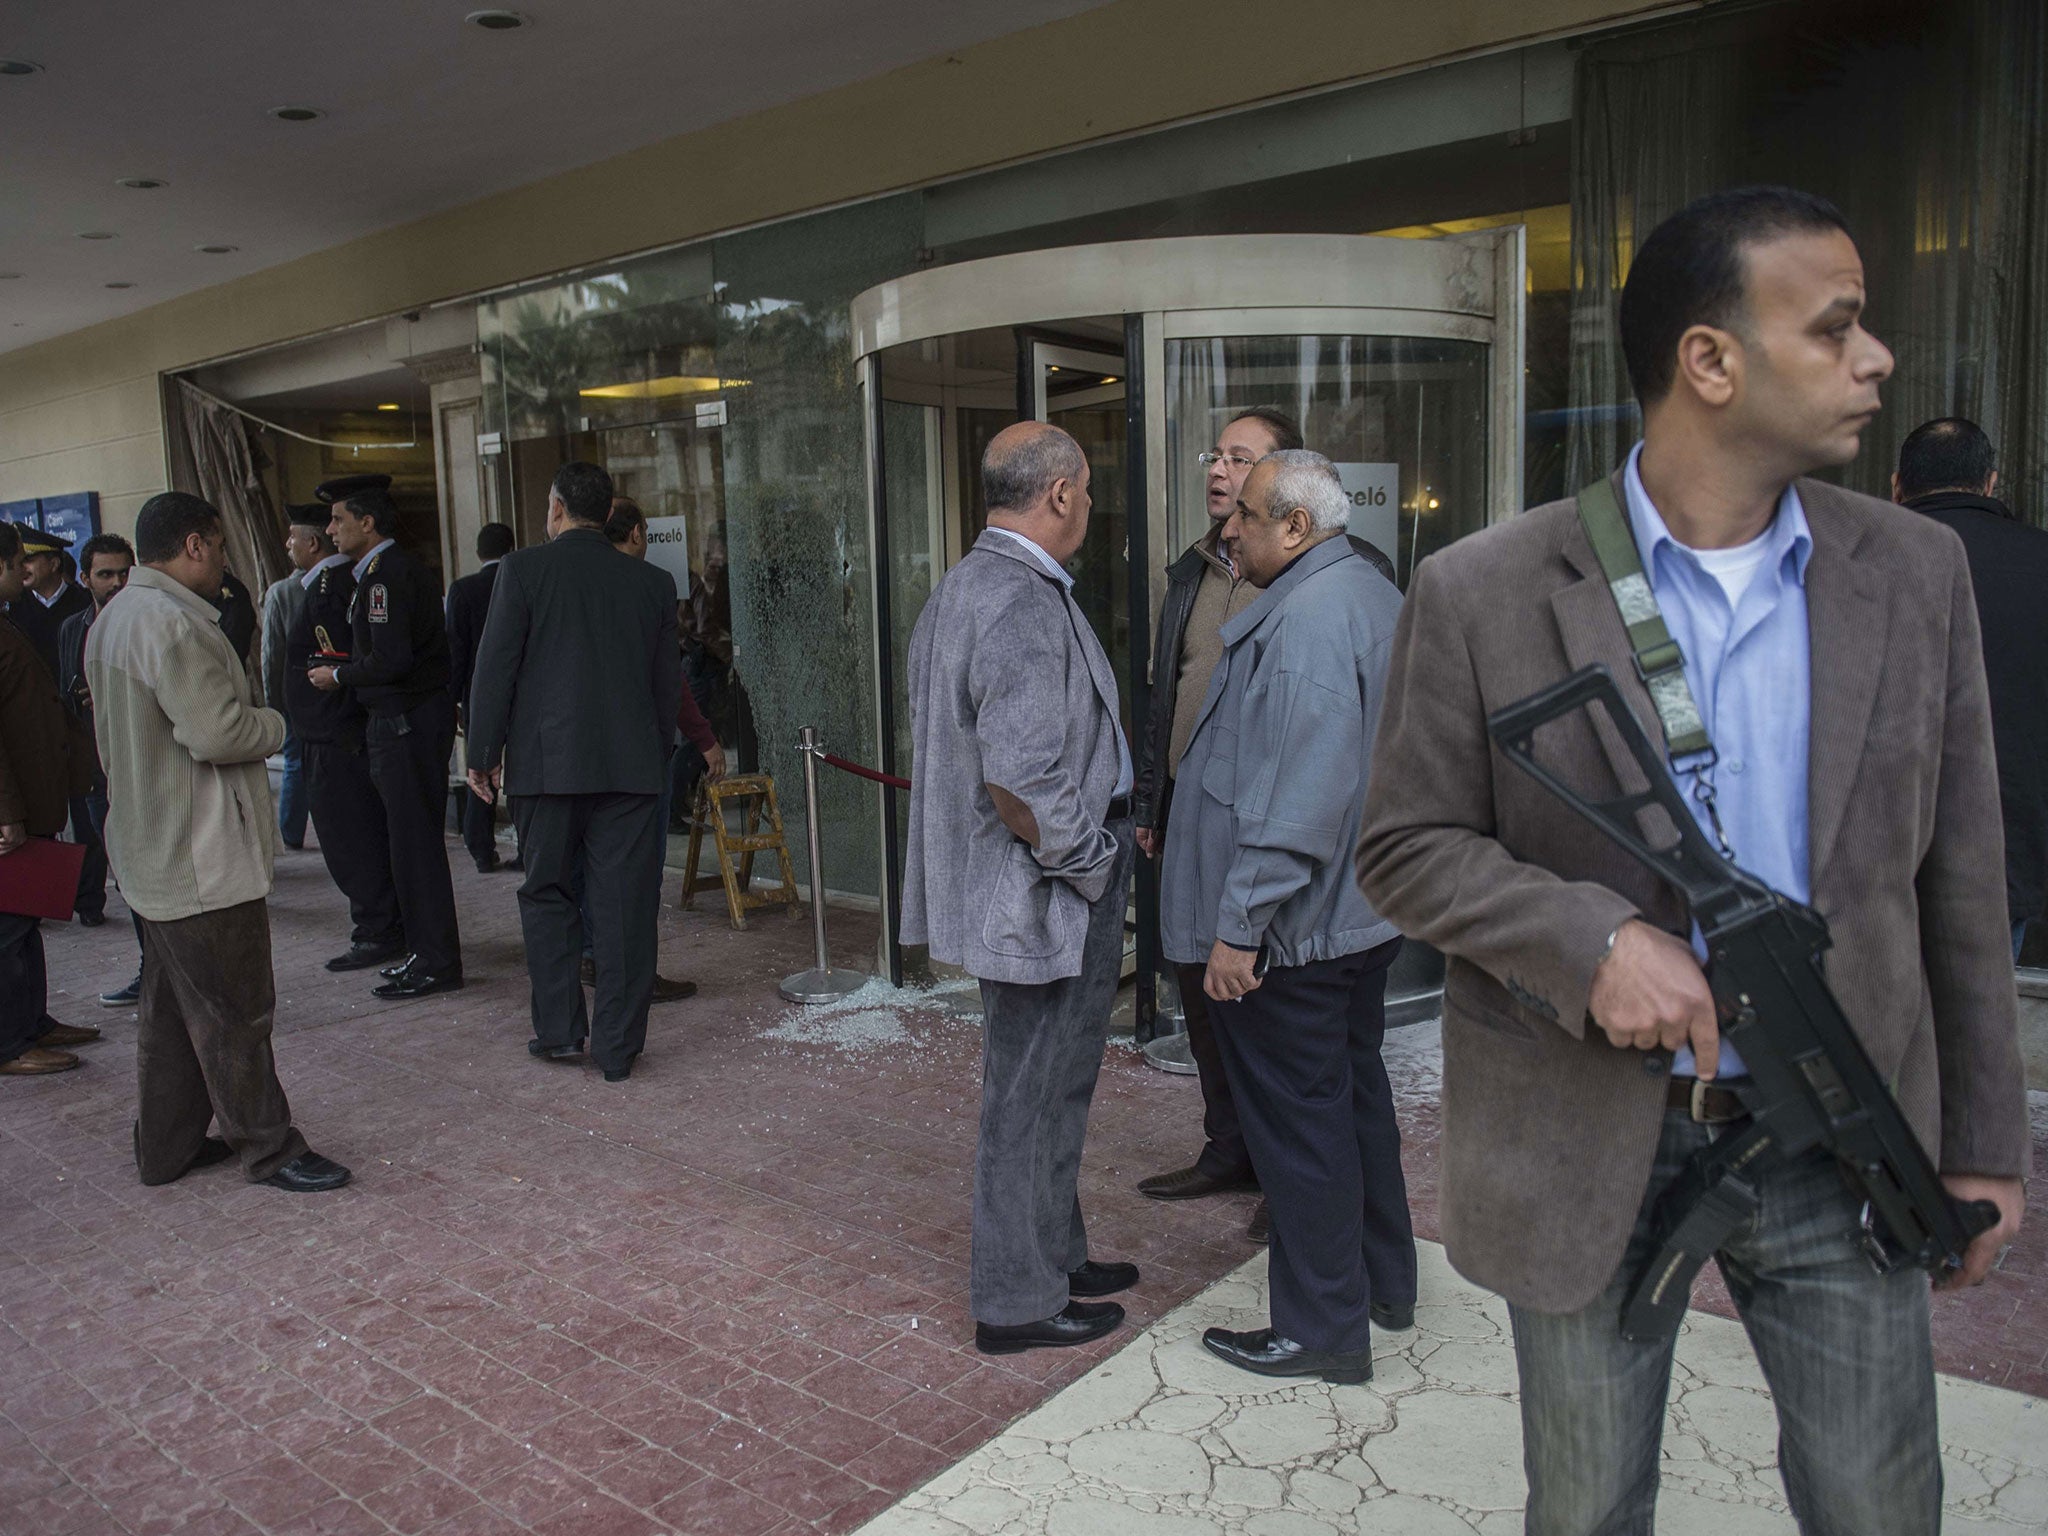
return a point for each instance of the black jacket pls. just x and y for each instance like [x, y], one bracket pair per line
[41, 625]
[237, 615]
[1152, 790]
[399, 658]
[469, 603]
[2009, 570]
[327, 716]
[579, 677]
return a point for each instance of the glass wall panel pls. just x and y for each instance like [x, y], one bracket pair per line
[796, 507]
[1403, 418]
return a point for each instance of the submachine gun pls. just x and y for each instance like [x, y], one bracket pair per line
[1813, 1084]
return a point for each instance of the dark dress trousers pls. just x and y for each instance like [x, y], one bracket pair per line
[398, 669]
[469, 602]
[85, 825]
[348, 816]
[575, 692]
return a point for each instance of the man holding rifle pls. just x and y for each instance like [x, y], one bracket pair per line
[1822, 703]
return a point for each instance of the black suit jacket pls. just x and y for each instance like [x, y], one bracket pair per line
[2009, 574]
[578, 679]
[469, 601]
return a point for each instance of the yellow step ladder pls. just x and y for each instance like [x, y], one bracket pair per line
[754, 794]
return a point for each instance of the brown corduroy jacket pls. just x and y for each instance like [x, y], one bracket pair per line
[44, 756]
[1548, 1129]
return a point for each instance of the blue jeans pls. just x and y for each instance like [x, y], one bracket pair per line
[291, 793]
[1845, 1350]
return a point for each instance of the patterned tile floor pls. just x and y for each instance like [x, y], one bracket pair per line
[727, 1296]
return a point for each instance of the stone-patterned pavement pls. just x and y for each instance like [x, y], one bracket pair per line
[1163, 1439]
[726, 1296]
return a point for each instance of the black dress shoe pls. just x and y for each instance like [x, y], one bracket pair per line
[554, 1052]
[512, 866]
[1192, 1184]
[618, 1074]
[92, 919]
[1271, 1354]
[361, 956]
[417, 983]
[1079, 1322]
[1260, 1228]
[1394, 1316]
[399, 967]
[212, 1150]
[308, 1174]
[1093, 1279]
[488, 866]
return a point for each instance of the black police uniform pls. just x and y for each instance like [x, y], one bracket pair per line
[347, 814]
[237, 615]
[398, 671]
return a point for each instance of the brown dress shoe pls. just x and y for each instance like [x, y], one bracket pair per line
[68, 1034]
[1192, 1184]
[36, 1061]
[669, 989]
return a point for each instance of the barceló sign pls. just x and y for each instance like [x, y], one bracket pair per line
[1374, 491]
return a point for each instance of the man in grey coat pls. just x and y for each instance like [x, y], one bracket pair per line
[1019, 863]
[1257, 889]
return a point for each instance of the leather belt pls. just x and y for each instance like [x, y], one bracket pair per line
[1707, 1103]
[1119, 809]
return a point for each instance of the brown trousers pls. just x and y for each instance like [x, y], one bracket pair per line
[203, 1045]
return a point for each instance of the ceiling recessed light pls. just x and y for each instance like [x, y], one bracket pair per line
[216, 250]
[390, 405]
[141, 183]
[120, 285]
[296, 114]
[96, 234]
[496, 21]
[19, 67]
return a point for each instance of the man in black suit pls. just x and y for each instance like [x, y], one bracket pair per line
[469, 601]
[398, 669]
[48, 599]
[576, 690]
[1948, 470]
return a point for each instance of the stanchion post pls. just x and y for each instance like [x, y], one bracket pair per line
[820, 984]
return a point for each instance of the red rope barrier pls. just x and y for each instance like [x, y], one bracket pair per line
[859, 772]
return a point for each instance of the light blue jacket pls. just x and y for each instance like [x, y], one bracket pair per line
[1270, 795]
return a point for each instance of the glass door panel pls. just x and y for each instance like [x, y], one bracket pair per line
[1404, 419]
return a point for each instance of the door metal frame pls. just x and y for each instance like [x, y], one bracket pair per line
[1466, 287]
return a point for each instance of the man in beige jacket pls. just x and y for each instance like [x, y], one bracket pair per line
[1830, 642]
[191, 836]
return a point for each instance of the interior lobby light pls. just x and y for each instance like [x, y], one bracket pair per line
[666, 387]
[390, 405]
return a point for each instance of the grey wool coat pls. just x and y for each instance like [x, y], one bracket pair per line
[1008, 686]
[1272, 789]
[1548, 1130]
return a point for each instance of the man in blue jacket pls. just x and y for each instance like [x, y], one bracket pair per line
[1257, 889]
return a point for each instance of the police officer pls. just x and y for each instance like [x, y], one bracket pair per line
[398, 671]
[330, 725]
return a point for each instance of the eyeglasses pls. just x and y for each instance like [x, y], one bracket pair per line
[1208, 460]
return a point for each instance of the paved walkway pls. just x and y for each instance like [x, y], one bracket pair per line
[1163, 1439]
[726, 1296]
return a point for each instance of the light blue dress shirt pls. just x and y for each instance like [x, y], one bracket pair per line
[1124, 777]
[364, 563]
[1750, 671]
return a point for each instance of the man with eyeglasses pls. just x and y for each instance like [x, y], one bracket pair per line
[1204, 589]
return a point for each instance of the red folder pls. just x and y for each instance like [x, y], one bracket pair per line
[40, 878]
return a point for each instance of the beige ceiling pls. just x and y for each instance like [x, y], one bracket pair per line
[422, 113]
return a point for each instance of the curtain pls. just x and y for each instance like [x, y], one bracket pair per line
[212, 455]
[1923, 122]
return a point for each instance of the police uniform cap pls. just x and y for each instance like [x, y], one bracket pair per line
[36, 542]
[308, 514]
[345, 486]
